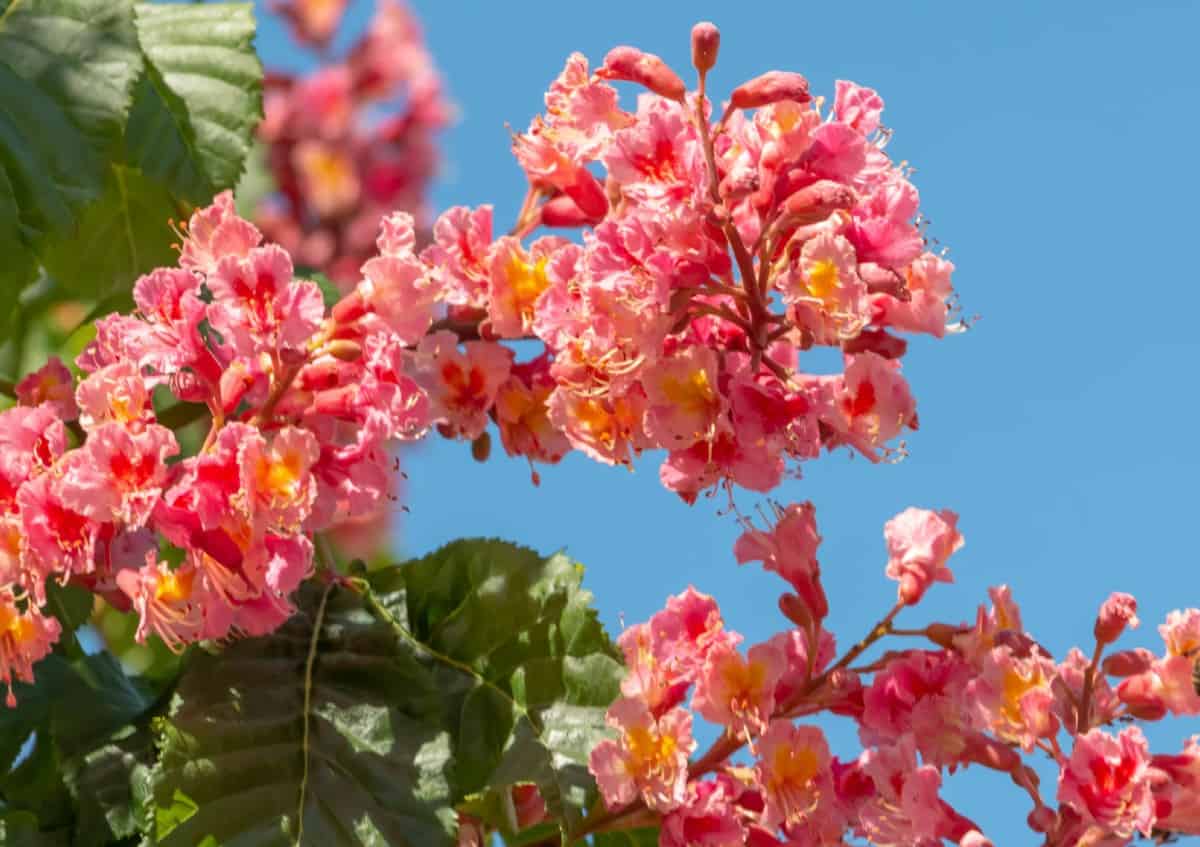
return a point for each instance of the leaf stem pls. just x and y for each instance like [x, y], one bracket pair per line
[308, 675]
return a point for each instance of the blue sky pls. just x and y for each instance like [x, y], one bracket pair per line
[1053, 148]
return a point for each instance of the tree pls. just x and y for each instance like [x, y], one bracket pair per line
[190, 470]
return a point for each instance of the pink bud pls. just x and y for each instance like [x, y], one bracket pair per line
[706, 42]
[878, 341]
[771, 87]
[1118, 611]
[795, 610]
[1142, 697]
[630, 64]
[814, 203]
[350, 308]
[1128, 662]
[561, 211]
[1042, 819]
[588, 194]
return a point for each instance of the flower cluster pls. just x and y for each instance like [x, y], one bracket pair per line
[715, 251]
[984, 694]
[302, 406]
[352, 141]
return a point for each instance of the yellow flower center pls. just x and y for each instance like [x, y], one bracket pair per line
[649, 750]
[823, 279]
[528, 281]
[174, 587]
[792, 768]
[692, 394]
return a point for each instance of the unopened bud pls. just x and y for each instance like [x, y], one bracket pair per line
[1118, 612]
[588, 194]
[769, 88]
[481, 447]
[1042, 819]
[706, 42]
[561, 211]
[630, 64]
[795, 610]
[878, 341]
[814, 203]
[1128, 662]
[350, 308]
[1142, 697]
[344, 349]
[942, 634]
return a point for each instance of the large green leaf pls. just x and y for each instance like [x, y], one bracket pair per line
[195, 108]
[67, 68]
[112, 122]
[119, 237]
[373, 712]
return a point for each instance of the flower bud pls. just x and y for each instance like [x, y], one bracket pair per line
[481, 447]
[344, 349]
[630, 64]
[350, 308]
[1118, 611]
[1142, 697]
[561, 211]
[795, 610]
[942, 634]
[769, 88]
[588, 194]
[1042, 819]
[706, 42]
[1128, 662]
[814, 203]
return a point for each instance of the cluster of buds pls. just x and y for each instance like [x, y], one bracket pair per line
[715, 250]
[352, 141]
[985, 694]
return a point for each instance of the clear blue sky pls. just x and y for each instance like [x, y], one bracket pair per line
[1054, 151]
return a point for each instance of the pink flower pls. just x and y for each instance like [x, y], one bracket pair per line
[52, 383]
[58, 539]
[277, 479]
[25, 638]
[920, 542]
[258, 306]
[1013, 695]
[215, 232]
[793, 769]
[923, 693]
[397, 286]
[707, 819]
[857, 106]
[115, 393]
[738, 692]
[648, 759]
[167, 601]
[459, 256]
[118, 475]
[683, 403]
[523, 416]
[462, 384]
[1107, 780]
[1177, 797]
[790, 550]
[516, 281]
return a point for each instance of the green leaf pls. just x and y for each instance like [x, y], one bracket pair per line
[21, 829]
[196, 106]
[82, 701]
[371, 715]
[108, 785]
[119, 237]
[66, 71]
